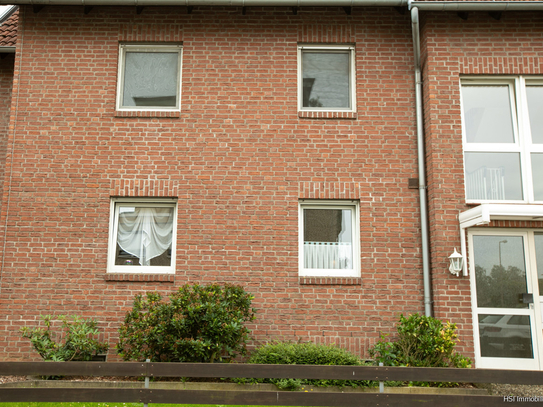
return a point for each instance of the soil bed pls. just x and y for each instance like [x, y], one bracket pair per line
[214, 384]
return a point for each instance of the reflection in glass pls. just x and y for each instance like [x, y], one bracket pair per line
[538, 238]
[500, 271]
[505, 336]
[493, 176]
[328, 239]
[537, 176]
[150, 79]
[326, 79]
[534, 96]
[487, 114]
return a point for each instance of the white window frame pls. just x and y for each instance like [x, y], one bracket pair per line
[117, 203]
[354, 206]
[521, 129]
[148, 48]
[325, 48]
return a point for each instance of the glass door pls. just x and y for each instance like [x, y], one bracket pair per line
[503, 282]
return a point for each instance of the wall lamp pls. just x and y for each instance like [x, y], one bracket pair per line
[456, 263]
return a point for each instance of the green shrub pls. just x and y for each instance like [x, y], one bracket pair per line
[76, 342]
[196, 324]
[421, 341]
[305, 353]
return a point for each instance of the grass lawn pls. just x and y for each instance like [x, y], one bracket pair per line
[38, 404]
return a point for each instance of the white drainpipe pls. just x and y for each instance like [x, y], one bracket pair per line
[425, 233]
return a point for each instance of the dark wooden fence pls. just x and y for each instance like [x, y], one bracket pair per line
[263, 398]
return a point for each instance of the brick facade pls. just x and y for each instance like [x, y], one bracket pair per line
[238, 157]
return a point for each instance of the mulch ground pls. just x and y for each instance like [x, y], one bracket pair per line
[495, 389]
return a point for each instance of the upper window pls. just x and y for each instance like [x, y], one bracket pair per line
[326, 78]
[503, 139]
[142, 236]
[149, 77]
[329, 239]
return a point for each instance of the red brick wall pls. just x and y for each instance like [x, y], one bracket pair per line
[238, 158]
[453, 47]
[6, 81]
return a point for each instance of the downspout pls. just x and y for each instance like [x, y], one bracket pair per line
[422, 167]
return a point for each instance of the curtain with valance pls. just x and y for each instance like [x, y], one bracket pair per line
[145, 232]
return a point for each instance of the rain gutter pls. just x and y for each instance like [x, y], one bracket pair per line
[235, 3]
[421, 5]
[477, 5]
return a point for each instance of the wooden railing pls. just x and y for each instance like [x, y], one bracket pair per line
[275, 398]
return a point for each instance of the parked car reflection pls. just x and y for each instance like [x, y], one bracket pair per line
[505, 336]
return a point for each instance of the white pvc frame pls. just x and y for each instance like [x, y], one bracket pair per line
[352, 76]
[521, 127]
[354, 206]
[123, 48]
[116, 203]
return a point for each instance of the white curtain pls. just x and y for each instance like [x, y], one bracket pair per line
[145, 232]
[328, 255]
[323, 253]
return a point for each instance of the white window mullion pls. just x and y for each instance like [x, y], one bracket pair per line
[493, 148]
[524, 138]
[533, 152]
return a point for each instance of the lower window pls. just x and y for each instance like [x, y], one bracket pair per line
[329, 239]
[142, 236]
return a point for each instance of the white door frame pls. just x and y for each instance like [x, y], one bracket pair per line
[534, 310]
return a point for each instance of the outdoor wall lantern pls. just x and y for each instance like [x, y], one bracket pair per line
[456, 262]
